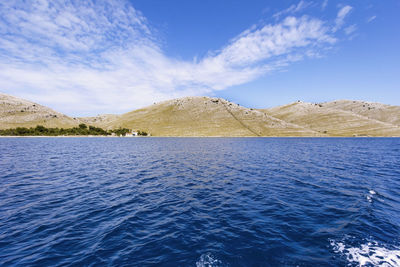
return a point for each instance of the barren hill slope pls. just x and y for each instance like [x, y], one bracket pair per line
[377, 111]
[100, 120]
[204, 116]
[332, 121]
[17, 112]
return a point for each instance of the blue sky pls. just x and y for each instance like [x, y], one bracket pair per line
[92, 57]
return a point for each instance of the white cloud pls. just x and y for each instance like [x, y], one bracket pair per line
[292, 9]
[343, 12]
[350, 29]
[371, 19]
[103, 57]
[324, 4]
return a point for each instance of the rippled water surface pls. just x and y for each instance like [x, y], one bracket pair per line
[199, 201]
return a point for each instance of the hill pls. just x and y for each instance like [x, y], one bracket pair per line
[100, 120]
[205, 116]
[334, 119]
[17, 112]
[371, 110]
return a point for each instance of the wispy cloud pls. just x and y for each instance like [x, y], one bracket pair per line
[370, 19]
[102, 56]
[343, 12]
[350, 29]
[292, 9]
[324, 4]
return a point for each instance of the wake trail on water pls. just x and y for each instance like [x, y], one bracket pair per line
[208, 260]
[370, 253]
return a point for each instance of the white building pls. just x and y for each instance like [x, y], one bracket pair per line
[131, 134]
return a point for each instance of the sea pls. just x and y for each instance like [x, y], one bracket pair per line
[199, 201]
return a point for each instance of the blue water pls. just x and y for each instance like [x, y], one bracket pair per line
[199, 201]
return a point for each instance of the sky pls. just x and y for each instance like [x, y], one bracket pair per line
[91, 57]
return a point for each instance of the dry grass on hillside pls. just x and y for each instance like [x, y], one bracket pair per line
[333, 122]
[377, 111]
[16, 112]
[205, 116]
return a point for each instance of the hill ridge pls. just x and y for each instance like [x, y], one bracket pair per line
[368, 109]
[327, 119]
[212, 116]
[346, 111]
[241, 122]
[18, 112]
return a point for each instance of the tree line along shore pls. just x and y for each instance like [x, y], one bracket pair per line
[82, 129]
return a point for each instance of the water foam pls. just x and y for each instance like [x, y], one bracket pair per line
[371, 253]
[372, 192]
[208, 260]
[371, 195]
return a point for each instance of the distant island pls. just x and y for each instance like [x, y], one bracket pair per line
[206, 116]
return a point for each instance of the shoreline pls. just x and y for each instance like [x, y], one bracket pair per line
[129, 137]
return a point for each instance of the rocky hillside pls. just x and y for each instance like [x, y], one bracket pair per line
[336, 119]
[100, 120]
[205, 116]
[371, 110]
[17, 112]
